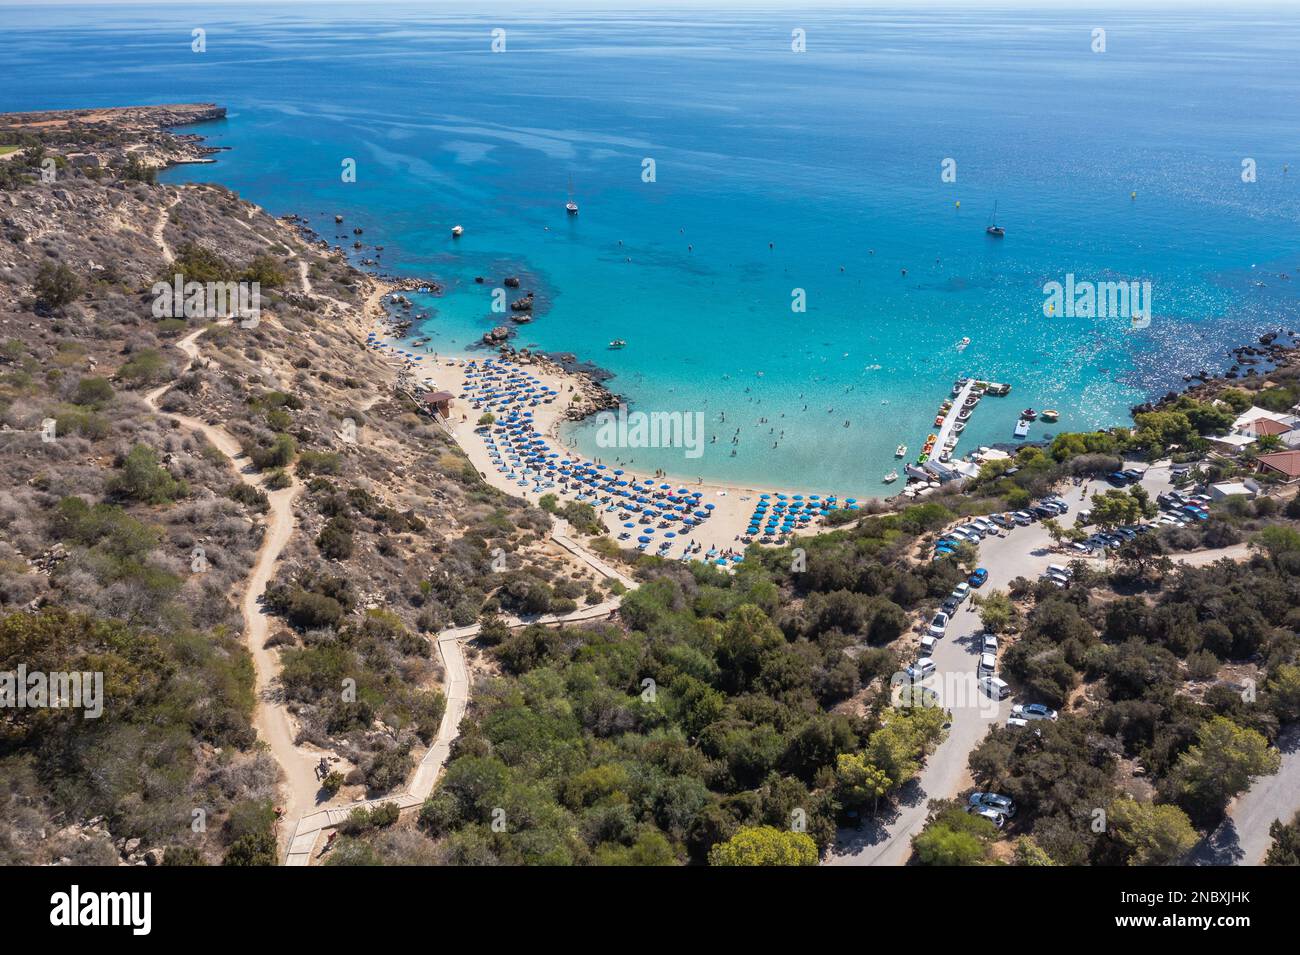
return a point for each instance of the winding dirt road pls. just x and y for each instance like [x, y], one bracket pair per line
[271, 719]
[449, 643]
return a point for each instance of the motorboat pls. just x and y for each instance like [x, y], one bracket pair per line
[617, 343]
[457, 231]
[900, 451]
[1029, 414]
[1050, 415]
[891, 477]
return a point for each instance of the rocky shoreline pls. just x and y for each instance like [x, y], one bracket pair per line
[1274, 350]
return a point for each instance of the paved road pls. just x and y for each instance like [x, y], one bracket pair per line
[887, 840]
[1242, 838]
[1022, 552]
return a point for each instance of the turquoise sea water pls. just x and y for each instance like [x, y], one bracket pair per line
[833, 156]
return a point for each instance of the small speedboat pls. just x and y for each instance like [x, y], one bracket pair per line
[891, 477]
[617, 343]
[961, 345]
[900, 451]
[1029, 414]
[457, 231]
[1049, 415]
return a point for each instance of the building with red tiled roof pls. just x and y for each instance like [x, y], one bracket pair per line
[1284, 463]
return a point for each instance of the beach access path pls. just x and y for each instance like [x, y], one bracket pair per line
[271, 719]
[307, 829]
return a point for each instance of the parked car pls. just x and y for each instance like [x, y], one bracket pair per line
[1043, 511]
[950, 603]
[1133, 474]
[921, 669]
[994, 801]
[1016, 721]
[992, 815]
[1079, 547]
[972, 530]
[990, 644]
[928, 644]
[1083, 518]
[1023, 517]
[988, 663]
[939, 625]
[994, 688]
[1003, 521]
[978, 578]
[961, 591]
[1060, 569]
[1033, 711]
[1059, 503]
[1118, 478]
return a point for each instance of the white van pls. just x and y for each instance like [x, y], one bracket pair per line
[927, 645]
[994, 688]
[988, 663]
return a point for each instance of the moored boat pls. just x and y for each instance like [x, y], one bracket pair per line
[993, 228]
[1029, 414]
[891, 477]
[900, 451]
[1049, 415]
[457, 231]
[617, 343]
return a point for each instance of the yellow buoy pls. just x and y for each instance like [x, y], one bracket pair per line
[1133, 194]
[958, 203]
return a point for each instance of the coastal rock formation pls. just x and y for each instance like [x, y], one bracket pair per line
[524, 304]
[93, 137]
[511, 282]
[497, 336]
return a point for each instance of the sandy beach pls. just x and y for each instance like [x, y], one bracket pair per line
[718, 536]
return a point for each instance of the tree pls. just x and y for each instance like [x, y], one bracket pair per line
[142, 479]
[55, 286]
[765, 845]
[1283, 692]
[1054, 530]
[1220, 765]
[857, 781]
[1156, 834]
[953, 836]
[1286, 842]
[997, 612]
[1115, 509]
[1030, 853]
[899, 747]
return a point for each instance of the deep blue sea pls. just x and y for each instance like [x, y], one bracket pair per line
[775, 171]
